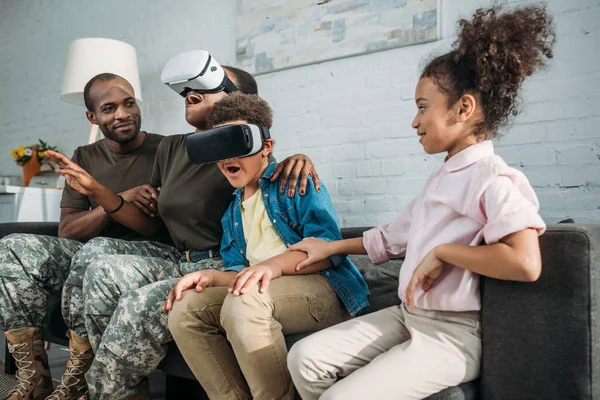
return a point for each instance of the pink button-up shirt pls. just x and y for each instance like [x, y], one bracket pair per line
[475, 196]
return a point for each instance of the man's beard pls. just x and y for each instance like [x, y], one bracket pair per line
[114, 136]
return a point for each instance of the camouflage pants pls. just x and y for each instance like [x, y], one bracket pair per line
[32, 267]
[127, 328]
[73, 299]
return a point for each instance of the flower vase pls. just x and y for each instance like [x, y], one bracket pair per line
[30, 168]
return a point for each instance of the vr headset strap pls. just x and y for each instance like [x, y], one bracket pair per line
[264, 132]
[228, 85]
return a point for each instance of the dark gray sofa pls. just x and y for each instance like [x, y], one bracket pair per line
[540, 340]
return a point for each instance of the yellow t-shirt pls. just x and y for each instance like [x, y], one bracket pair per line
[262, 241]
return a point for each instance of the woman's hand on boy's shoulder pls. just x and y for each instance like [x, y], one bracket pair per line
[200, 279]
[292, 168]
[263, 272]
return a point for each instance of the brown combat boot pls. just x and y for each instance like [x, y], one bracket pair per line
[27, 348]
[73, 384]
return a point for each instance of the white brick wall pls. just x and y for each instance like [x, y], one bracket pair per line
[351, 116]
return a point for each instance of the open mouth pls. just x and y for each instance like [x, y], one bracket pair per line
[192, 99]
[232, 169]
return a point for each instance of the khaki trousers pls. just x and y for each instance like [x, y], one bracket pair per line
[253, 364]
[395, 353]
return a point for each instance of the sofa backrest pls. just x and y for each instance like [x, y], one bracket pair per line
[540, 340]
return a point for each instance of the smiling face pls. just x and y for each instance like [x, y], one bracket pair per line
[246, 171]
[442, 128]
[116, 111]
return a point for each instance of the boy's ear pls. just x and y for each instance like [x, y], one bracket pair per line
[466, 107]
[267, 147]
[91, 117]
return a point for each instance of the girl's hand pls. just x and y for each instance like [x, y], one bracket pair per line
[316, 250]
[428, 270]
[200, 279]
[75, 176]
[263, 272]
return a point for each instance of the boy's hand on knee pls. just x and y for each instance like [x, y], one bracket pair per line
[200, 279]
[263, 272]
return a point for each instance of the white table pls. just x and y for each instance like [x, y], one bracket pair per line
[29, 204]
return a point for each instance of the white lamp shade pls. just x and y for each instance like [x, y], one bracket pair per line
[89, 57]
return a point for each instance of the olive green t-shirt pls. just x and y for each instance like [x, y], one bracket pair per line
[192, 197]
[118, 172]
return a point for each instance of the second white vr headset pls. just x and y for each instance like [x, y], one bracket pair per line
[229, 141]
[198, 71]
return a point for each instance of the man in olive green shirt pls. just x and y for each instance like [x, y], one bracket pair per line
[32, 267]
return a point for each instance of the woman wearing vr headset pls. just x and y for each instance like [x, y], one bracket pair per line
[192, 200]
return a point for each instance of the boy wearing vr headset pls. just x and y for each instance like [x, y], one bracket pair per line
[259, 295]
[191, 203]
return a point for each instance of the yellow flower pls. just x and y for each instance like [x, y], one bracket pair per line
[40, 155]
[21, 151]
[14, 153]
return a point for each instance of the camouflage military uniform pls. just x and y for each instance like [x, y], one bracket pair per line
[123, 314]
[35, 266]
[73, 300]
[32, 267]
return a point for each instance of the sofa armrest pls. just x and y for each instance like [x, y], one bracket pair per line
[540, 340]
[38, 228]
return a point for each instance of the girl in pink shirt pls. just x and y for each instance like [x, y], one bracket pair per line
[433, 340]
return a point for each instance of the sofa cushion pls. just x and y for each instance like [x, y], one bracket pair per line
[382, 281]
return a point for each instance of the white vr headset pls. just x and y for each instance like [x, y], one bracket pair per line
[229, 141]
[198, 71]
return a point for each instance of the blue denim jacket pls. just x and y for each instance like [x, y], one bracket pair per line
[311, 215]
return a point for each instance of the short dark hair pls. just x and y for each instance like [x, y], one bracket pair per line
[103, 77]
[243, 80]
[240, 106]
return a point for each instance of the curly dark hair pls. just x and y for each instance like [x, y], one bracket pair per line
[494, 52]
[240, 106]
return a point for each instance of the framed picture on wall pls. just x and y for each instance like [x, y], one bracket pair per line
[273, 35]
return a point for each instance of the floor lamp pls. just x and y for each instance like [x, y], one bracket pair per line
[89, 57]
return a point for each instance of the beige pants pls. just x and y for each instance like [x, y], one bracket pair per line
[394, 353]
[255, 364]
